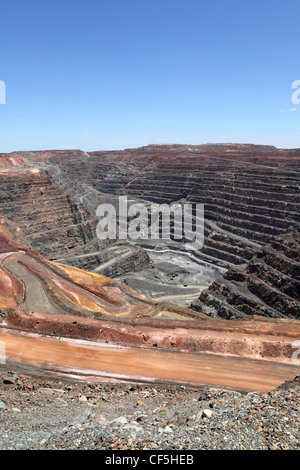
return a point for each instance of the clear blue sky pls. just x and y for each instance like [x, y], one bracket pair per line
[115, 74]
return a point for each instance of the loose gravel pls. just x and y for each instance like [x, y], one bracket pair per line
[50, 413]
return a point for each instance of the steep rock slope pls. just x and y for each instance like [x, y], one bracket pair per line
[251, 193]
[31, 282]
[268, 285]
[41, 200]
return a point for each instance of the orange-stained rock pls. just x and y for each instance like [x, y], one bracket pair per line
[34, 283]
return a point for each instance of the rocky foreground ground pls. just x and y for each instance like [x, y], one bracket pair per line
[53, 413]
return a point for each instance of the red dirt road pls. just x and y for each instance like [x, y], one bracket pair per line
[100, 361]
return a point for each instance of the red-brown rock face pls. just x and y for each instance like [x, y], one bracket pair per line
[31, 282]
[250, 194]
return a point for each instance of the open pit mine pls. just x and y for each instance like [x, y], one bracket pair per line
[144, 310]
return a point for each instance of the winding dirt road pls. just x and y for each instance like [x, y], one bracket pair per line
[100, 362]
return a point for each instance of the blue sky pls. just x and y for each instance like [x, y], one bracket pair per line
[117, 74]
